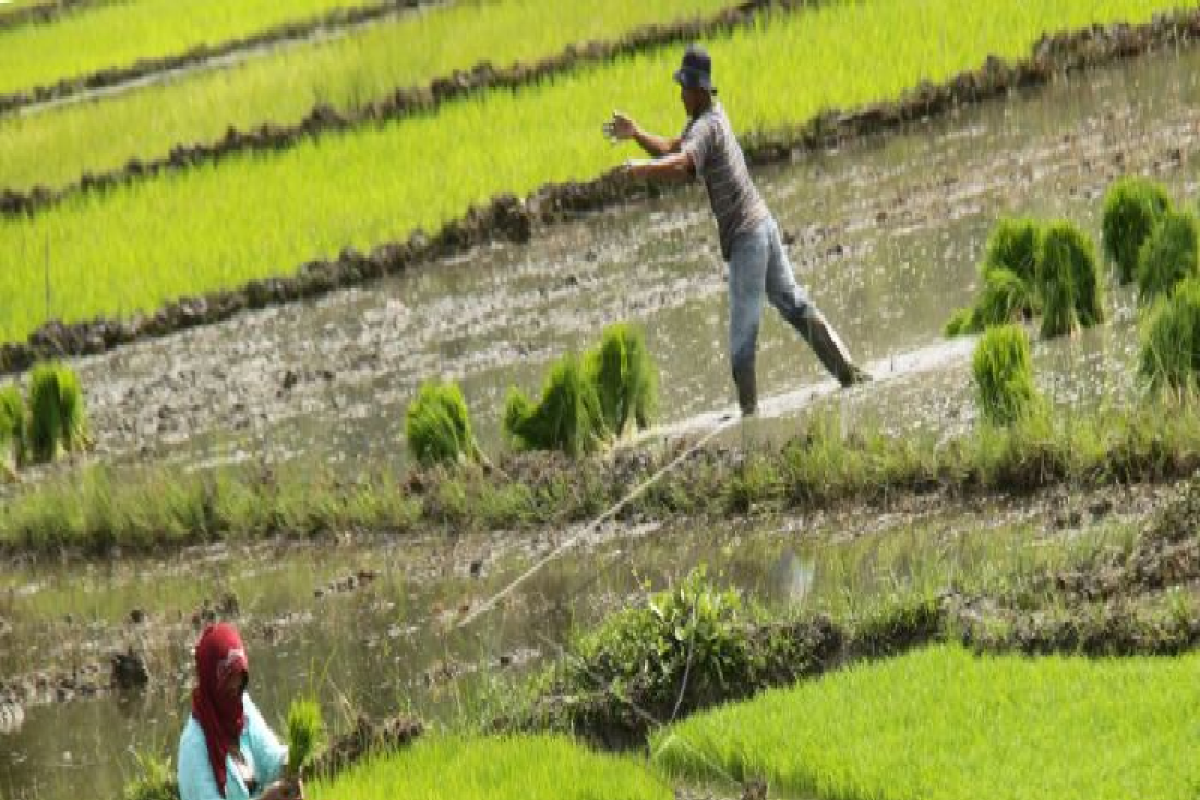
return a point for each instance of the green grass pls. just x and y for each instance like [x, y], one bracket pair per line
[118, 34]
[510, 768]
[260, 214]
[1133, 206]
[942, 723]
[346, 73]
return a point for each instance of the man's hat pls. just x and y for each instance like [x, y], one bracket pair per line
[696, 71]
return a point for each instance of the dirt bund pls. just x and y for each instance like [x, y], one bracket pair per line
[148, 67]
[514, 219]
[42, 13]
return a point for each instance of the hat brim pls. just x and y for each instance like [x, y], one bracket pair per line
[694, 79]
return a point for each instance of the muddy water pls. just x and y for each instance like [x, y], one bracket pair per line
[886, 235]
[388, 641]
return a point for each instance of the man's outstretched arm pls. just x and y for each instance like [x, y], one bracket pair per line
[621, 127]
[674, 166]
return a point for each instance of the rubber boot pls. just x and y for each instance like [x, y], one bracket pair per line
[825, 342]
[747, 388]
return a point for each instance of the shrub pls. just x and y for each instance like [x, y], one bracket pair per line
[57, 420]
[1069, 281]
[438, 426]
[1133, 207]
[1013, 245]
[1170, 354]
[1169, 256]
[625, 378]
[306, 733]
[1004, 375]
[568, 418]
[13, 422]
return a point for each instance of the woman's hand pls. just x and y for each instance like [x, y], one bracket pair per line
[284, 790]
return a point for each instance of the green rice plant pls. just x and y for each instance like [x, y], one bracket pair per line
[538, 767]
[1170, 350]
[346, 73]
[1171, 254]
[155, 778]
[568, 417]
[1003, 372]
[1069, 281]
[13, 422]
[1133, 207]
[57, 420]
[962, 322]
[305, 734]
[438, 425]
[124, 247]
[1013, 245]
[1008, 271]
[1007, 297]
[942, 723]
[625, 377]
[73, 413]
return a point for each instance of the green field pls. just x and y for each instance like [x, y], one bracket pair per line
[944, 724]
[259, 215]
[346, 73]
[118, 34]
[517, 768]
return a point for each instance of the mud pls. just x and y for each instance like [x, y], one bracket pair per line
[114, 76]
[41, 13]
[512, 219]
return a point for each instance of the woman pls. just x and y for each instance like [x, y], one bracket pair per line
[227, 750]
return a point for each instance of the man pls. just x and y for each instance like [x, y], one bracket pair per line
[750, 240]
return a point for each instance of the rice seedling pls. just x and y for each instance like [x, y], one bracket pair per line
[502, 768]
[568, 417]
[1013, 245]
[943, 723]
[1170, 350]
[305, 734]
[57, 420]
[1003, 371]
[1008, 271]
[1069, 281]
[1133, 207]
[625, 377]
[438, 425]
[282, 87]
[1170, 255]
[13, 423]
[131, 245]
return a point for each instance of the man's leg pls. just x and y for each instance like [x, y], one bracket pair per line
[747, 277]
[787, 296]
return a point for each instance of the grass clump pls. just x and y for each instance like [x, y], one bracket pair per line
[438, 425]
[625, 377]
[1170, 352]
[57, 420]
[941, 723]
[1171, 254]
[1069, 281]
[305, 734]
[1003, 370]
[1133, 207]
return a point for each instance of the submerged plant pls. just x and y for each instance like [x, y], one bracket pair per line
[57, 420]
[1069, 281]
[13, 422]
[1170, 255]
[1133, 207]
[438, 426]
[305, 734]
[1170, 354]
[1004, 375]
[625, 377]
[568, 417]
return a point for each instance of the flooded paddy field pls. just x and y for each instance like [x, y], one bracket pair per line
[886, 235]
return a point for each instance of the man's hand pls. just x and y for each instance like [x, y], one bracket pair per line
[620, 127]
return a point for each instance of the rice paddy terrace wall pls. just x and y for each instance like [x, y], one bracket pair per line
[512, 218]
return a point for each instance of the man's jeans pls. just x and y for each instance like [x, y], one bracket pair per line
[758, 266]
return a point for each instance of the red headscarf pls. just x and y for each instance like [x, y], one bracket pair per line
[218, 652]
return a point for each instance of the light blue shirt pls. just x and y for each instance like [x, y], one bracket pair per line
[260, 748]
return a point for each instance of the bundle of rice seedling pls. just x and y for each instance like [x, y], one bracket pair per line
[13, 423]
[1133, 207]
[1170, 255]
[1170, 354]
[1069, 282]
[1003, 370]
[72, 414]
[568, 418]
[57, 418]
[1008, 272]
[625, 378]
[1006, 298]
[306, 734]
[438, 426]
[1013, 245]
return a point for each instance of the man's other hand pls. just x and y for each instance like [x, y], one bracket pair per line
[620, 127]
